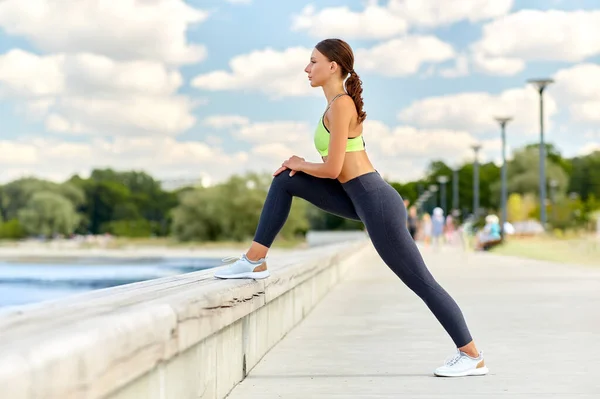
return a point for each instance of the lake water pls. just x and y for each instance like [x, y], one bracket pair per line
[29, 282]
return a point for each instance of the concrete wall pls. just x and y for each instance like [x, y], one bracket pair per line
[186, 336]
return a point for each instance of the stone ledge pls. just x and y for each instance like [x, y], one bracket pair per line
[182, 336]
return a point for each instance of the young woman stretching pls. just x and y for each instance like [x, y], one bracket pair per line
[346, 184]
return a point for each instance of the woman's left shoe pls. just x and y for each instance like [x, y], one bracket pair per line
[462, 365]
[242, 267]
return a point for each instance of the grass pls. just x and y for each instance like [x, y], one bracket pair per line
[584, 251]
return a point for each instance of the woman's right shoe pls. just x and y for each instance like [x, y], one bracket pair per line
[462, 365]
[242, 267]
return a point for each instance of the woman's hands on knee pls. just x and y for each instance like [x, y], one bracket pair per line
[292, 163]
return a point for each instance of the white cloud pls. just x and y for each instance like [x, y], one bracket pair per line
[403, 153]
[130, 115]
[589, 148]
[87, 93]
[374, 22]
[28, 75]
[578, 88]
[384, 22]
[225, 121]
[164, 158]
[461, 68]
[475, 111]
[431, 13]
[276, 73]
[497, 65]
[272, 140]
[239, 1]
[122, 30]
[404, 56]
[534, 35]
[281, 73]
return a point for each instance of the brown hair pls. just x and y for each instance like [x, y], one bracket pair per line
[339, 51]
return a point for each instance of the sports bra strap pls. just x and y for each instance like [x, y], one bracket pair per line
[331, 102]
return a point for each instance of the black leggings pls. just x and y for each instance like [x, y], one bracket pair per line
[370, 199]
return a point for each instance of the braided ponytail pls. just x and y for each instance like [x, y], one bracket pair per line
[339, 51]
[354, 89]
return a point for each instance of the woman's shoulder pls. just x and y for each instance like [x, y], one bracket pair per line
[342, 102]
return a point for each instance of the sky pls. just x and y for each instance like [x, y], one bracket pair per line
[203, 89]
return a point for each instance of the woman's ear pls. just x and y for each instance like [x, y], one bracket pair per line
[333, 67]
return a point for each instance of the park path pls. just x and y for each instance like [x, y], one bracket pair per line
[538, 324]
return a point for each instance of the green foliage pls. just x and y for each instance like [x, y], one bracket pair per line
[229, 211]
[16, 194]
[137, 228]
[585, 178]
[11, 230]
[47, 214]
[114, 196]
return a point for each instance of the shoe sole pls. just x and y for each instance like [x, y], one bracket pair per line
[479, 371]
[253, 275]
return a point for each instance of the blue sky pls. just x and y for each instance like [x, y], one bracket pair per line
[204, 89]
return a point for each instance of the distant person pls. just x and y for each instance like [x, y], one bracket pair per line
[490, 234]
[413, 222]
[426, 229]
[437, 223]
[346, 184]
[450, 229]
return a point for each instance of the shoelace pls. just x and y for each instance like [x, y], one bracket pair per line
[451, 361]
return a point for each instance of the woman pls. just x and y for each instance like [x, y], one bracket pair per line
[437, 224]
[346, 184]
[413, 221]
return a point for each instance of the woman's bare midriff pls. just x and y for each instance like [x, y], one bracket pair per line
[355, 164]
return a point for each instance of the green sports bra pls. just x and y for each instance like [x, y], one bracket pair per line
[322, 136]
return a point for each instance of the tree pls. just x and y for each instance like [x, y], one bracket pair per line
[48, 213]
[141, 197]
[585, 178]
[523, 173]
[230, 211]
[17, 194]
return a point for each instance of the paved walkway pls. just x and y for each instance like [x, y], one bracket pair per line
[538, 324]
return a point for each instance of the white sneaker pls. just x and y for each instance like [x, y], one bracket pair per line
[242, 267]
[462, 365]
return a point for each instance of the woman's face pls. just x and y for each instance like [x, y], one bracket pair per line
[319, 69]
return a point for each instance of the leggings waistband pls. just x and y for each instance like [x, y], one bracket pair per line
[364, 183]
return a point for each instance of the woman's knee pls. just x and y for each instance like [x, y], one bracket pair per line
[283, 181]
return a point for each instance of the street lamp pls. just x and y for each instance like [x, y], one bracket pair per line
[476, 149]
[541, 84]
[503, 121]
[433, 189]
[443, 180]
[455, 187]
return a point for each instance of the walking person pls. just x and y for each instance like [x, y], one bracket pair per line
[437, 227]
[346, 184]
[413, 222]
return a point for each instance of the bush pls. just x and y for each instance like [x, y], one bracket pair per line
[12, 230]
[130, 228]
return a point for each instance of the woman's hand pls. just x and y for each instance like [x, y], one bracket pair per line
[292, 163]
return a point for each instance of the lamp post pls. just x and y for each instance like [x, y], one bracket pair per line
[541, 85]
[433, 190]
[476, 149]
[455, 188]
[503, 121]
[443, 180]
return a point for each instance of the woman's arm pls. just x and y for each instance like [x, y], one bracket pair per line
[341, 113]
